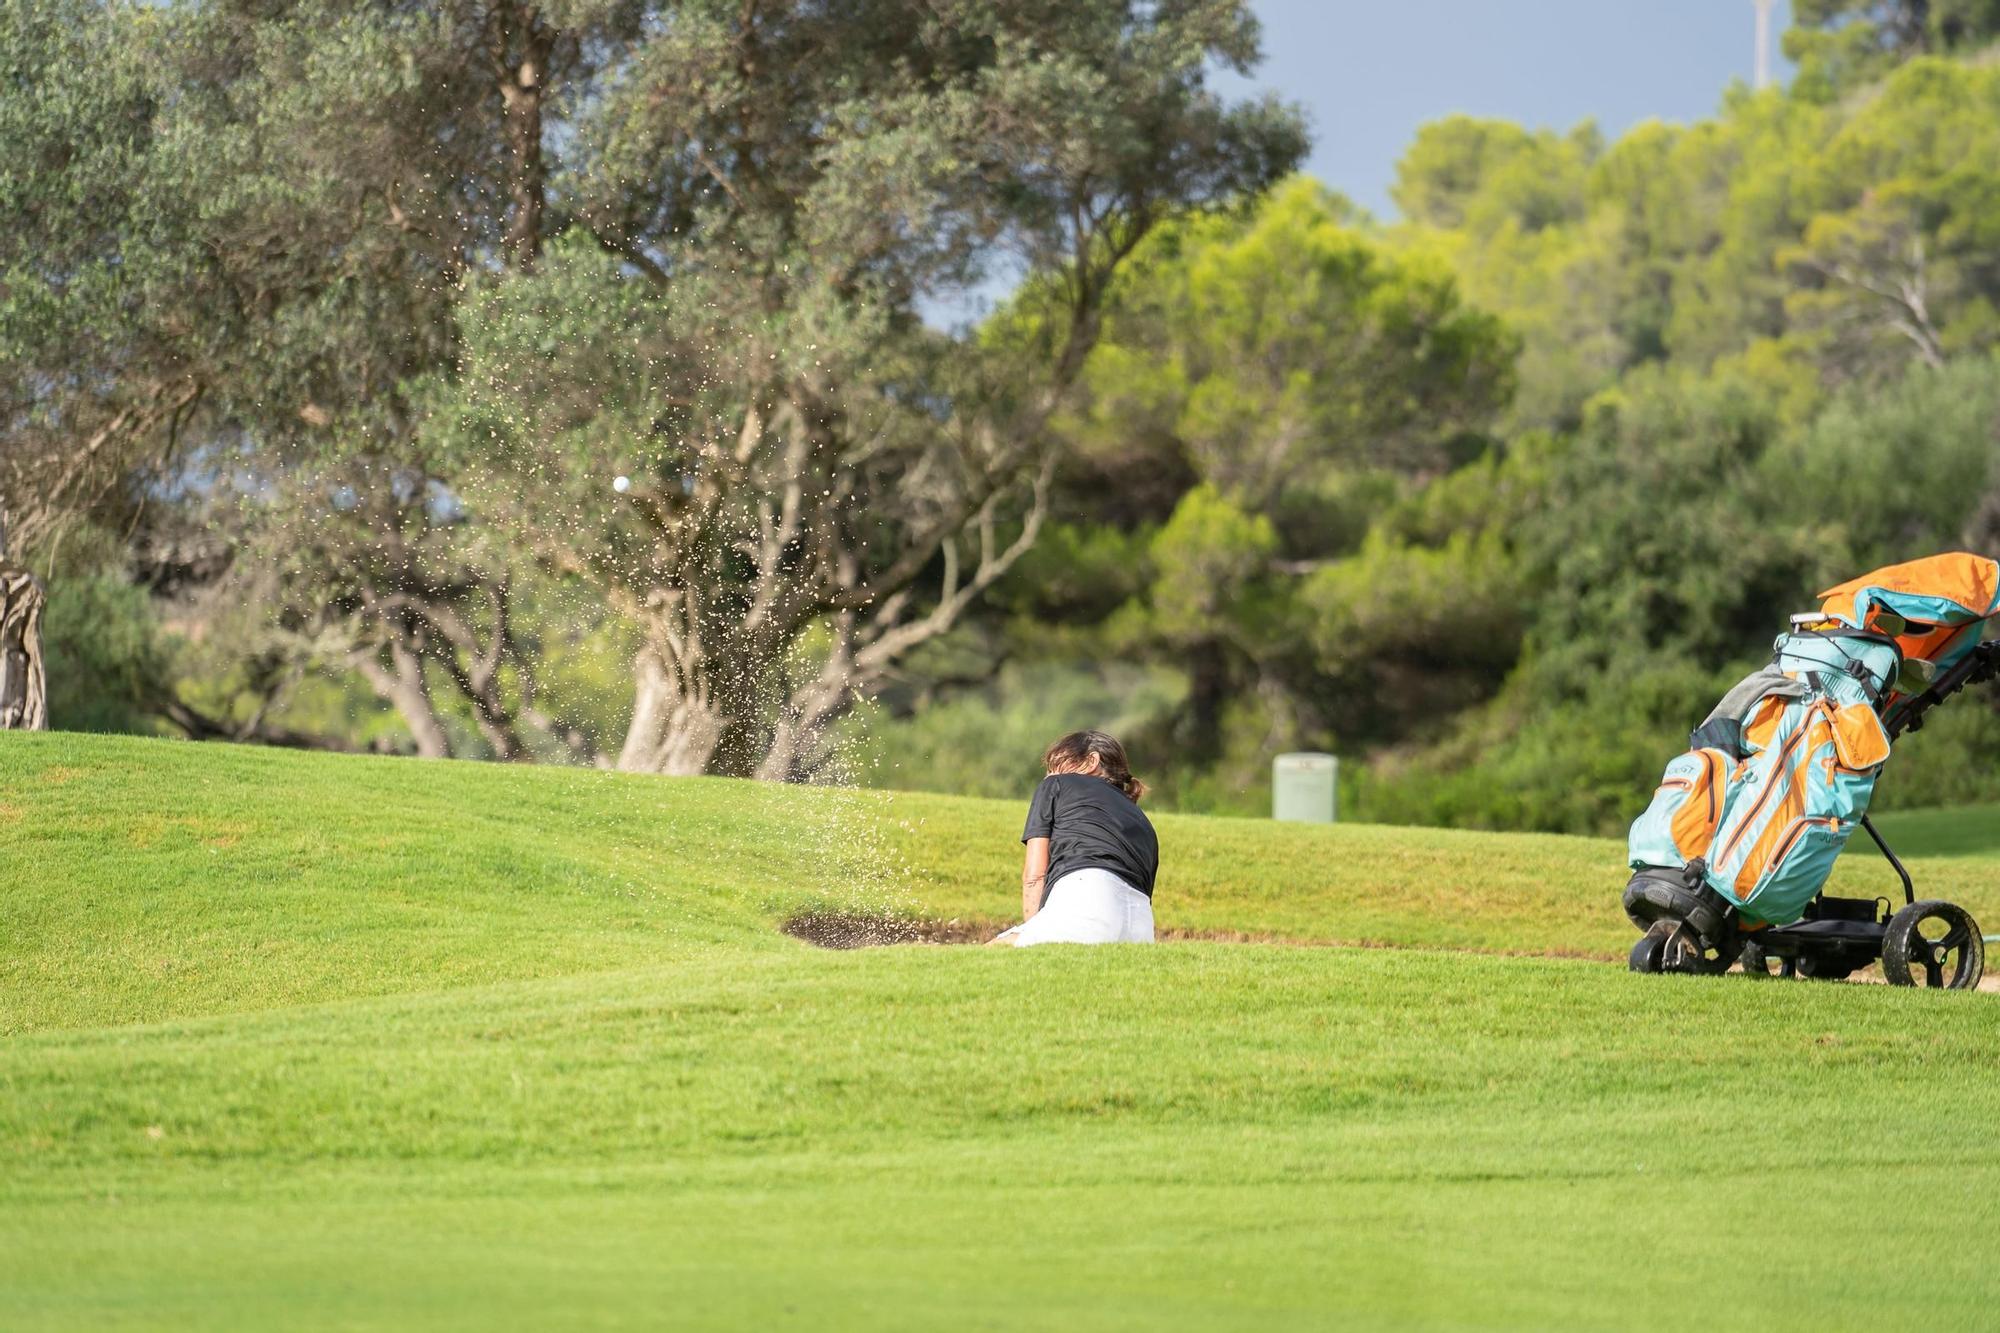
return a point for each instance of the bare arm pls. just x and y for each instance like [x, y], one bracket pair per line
[1034, 870]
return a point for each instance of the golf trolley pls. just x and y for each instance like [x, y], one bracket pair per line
[1689, 927]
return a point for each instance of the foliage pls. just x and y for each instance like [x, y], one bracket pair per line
[1301, 376]
[988, 741]
[1656, 575]
[1511, 213]
[1275, 349]
[1897, 259]
[107, 667]
[1840, 44]
[92, 269]
[1908, 467]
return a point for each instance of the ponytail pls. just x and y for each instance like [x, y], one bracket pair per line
[1073, 753]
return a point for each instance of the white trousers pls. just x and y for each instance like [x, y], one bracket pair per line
[1089, 907]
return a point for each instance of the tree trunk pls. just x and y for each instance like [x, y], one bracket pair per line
[1209, 691]
[797, 750]
[402, 685]
[23, 688]
[784, 759]
[677, 722]
[498, 729]
[523, 74]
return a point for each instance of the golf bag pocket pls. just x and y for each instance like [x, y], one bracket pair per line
[1859, 742]
[1679, 824]
[1799, 865]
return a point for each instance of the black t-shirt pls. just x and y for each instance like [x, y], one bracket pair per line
[1091, 825]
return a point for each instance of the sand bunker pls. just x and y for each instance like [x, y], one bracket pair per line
[858, 930]
[862, 930]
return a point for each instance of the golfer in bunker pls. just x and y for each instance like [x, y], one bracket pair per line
[1092, 855]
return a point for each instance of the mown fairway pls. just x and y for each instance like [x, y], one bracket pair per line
[298, 1041]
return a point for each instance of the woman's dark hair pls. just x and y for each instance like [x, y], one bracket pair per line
[1074, 751]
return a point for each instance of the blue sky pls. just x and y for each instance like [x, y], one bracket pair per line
[1369, 72]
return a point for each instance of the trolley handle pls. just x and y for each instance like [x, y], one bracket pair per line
[1982, 663]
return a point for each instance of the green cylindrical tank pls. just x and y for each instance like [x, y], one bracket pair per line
[1302, 787]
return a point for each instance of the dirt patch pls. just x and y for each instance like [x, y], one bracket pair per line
[1989, 984]
[857, 930]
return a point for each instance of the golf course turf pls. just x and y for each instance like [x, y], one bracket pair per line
[304, 1041]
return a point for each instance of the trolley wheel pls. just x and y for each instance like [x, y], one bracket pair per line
[1675, 946]
[1651, 947]
[1933, 943]
[1758, 964]
[1715, 961]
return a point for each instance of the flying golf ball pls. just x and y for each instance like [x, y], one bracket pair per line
[622, 485]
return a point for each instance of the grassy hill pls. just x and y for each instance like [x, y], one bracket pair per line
[312, 1041]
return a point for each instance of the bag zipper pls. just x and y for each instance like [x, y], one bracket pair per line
[1687, 784]
[1785, 847]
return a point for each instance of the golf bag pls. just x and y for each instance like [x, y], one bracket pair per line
[1745, 827]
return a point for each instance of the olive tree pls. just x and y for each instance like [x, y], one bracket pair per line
[753, 215]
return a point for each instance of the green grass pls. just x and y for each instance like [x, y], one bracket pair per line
[303, 1041]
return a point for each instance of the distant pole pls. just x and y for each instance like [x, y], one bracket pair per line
[1763, 75]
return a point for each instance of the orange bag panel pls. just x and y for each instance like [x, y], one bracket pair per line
[1762, 724]
[1694, 823]
[1858, 737]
